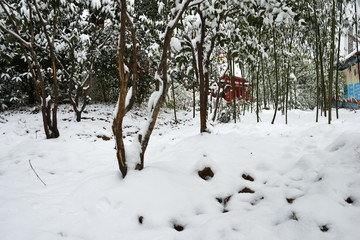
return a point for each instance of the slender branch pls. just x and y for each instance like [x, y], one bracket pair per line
[36, 173]
[196, 3]
[15, 34]
[134, 64]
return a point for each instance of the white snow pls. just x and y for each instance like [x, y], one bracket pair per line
[154, 97]
[48, 99]
[103, 132]
[303, 174]
[175, 44]
[292, 76]
[96, 4]
[128, 97]
[161, 7]
[84, 38]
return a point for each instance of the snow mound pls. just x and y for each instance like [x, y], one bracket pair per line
[292, 182]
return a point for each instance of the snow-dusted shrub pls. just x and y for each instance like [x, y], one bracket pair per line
[183, 98]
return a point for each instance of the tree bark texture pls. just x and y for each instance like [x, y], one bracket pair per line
[48, 102]
[144, 135]
[332, 52]
[276, 78]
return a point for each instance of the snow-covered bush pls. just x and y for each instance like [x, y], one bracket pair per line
[183, 98]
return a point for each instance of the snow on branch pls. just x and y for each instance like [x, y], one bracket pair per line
[155, 96]
[15, 35]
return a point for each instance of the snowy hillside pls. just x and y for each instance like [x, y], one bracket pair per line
[296, 181]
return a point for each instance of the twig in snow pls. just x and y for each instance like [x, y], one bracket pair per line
[36, 134]
[36, 173]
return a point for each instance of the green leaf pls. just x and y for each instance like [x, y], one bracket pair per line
[9, 39]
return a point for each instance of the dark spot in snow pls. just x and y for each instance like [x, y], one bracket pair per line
[87, 118]
[139, 167]
[141, 219]
[52, 173]
[225, 210]
[206, 173]
[247, 177]
[349, 200]
[294, 217]
[337, 147]
[103, 119]
[227, 199]
[257, 200]
[324, 228]
[290, 200]
[61, 234]
[178, 227]
[246, 190]
[131, 133]
[224, 201]
[105, 138]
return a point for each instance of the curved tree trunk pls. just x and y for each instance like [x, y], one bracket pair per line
[141, 143]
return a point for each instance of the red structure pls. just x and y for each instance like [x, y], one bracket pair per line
[240, 85]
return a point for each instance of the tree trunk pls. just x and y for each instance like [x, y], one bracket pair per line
[203, 93]
[49, 108]
[161, 75]
[317, 81]
[216, 103]
[337, 64]
[252, 91]
[121, 107]
[194, 100]
[288, 78]
[320, 57]
[232, 81]
[174, 99]
[257, 95]
[317, 43]
[243, 95]
[276, 77]
[332, 52]
[263, 81]
[323, 85]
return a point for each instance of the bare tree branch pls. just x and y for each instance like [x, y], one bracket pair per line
[36, 173]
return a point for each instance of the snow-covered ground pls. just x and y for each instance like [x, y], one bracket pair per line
[296, 181]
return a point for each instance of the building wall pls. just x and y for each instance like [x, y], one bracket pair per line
[347, 39]
[352, 87]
